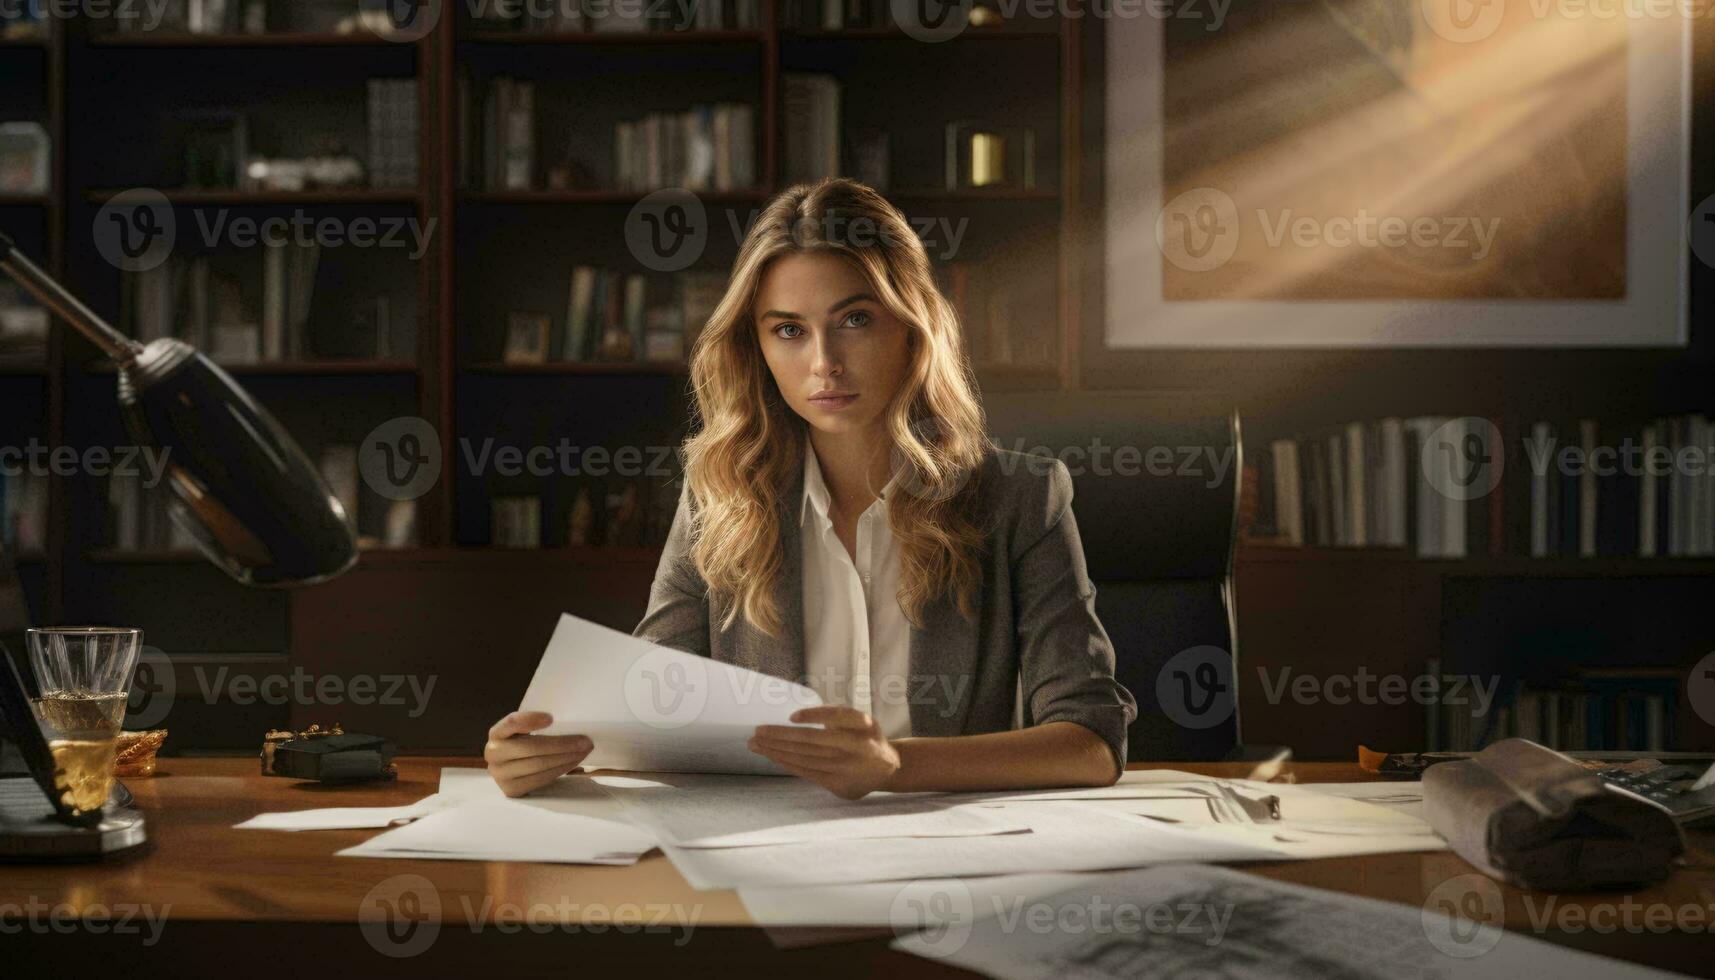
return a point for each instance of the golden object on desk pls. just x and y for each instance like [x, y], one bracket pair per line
[136, 753]
[314, 731]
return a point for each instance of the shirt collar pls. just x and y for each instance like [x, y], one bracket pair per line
[816, 491]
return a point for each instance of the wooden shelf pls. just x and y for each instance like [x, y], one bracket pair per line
[584, 367]
[30, 558]
[329, 366]
[896, 34]
[217, 196]
[275, 39]
[618, 37]
[13, 199]
[1481, 566]
[936, 194]
[24, 42]
[583, 555]
[594, 196]
[23, 367]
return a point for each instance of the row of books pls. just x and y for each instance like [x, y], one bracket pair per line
[191, 16]
[189, 298]
[1497, 487]
[393, 132]
[811, 106]
[633, 513]
[137, 517]
[23, 513]
[1635, 714]
[617, 316]
[397, 519]
[709, 147]
[834, 15]
[573, 16]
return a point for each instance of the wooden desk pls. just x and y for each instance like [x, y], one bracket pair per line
[237, 900]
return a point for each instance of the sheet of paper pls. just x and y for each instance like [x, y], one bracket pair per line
[343, 817]
[1064, 836]
[748, 811]
[577, 793]
[652, 708]
[1404, 797]
[1196, 920]
[882, 903]
[509, 831]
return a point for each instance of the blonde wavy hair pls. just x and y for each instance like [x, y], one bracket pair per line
[748, 445]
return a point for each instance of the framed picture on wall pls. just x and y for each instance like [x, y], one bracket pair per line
[1367, 173]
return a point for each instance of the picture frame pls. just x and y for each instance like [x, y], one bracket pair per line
[526, 338]
[1144, 301]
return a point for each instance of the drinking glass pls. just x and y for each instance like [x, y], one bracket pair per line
[84, 676]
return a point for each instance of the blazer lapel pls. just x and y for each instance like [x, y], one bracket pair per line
[943, 666]
[781, 656]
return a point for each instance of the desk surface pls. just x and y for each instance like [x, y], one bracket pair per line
[211, 875]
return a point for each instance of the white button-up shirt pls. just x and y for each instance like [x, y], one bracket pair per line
[857, 641]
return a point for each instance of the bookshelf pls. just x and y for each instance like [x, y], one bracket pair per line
[126, 90]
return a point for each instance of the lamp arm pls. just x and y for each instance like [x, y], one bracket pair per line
[52, 295]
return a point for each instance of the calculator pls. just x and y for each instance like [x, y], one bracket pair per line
[1687, 794]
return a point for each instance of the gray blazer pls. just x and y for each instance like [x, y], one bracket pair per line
[1036, 636]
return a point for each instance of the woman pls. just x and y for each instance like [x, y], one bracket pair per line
[847, 523]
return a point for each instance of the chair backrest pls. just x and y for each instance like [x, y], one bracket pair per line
[1155, 493]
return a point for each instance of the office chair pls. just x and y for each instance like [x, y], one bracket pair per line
[1158, 540]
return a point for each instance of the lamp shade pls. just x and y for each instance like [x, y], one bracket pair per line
[240, 486]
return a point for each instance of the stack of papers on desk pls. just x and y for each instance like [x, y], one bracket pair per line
[344, 817]
[508, 831]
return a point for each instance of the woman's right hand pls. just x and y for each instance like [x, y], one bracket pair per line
[523, 763]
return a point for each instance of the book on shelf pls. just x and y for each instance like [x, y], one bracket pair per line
[338, 467]
[393, 133]
[23, 512]
[23, 323]
[835, 15]
[981, 155]
[1455, 487]
[708, 147]
[811, 116]
[180, 17]
[619, 316]
[620, 512]
[508, 138]
[139, 519]
[516, 522]
[1592, 710]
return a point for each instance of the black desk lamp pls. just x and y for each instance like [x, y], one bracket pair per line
[255, 505]
[242, 488]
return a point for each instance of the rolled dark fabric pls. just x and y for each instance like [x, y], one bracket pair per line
[1528, 815]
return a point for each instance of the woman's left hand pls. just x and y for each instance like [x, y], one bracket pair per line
[849, 757]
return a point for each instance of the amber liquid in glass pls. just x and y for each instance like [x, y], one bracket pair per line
[82, 730]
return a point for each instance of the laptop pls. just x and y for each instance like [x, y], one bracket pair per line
[35, 824]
